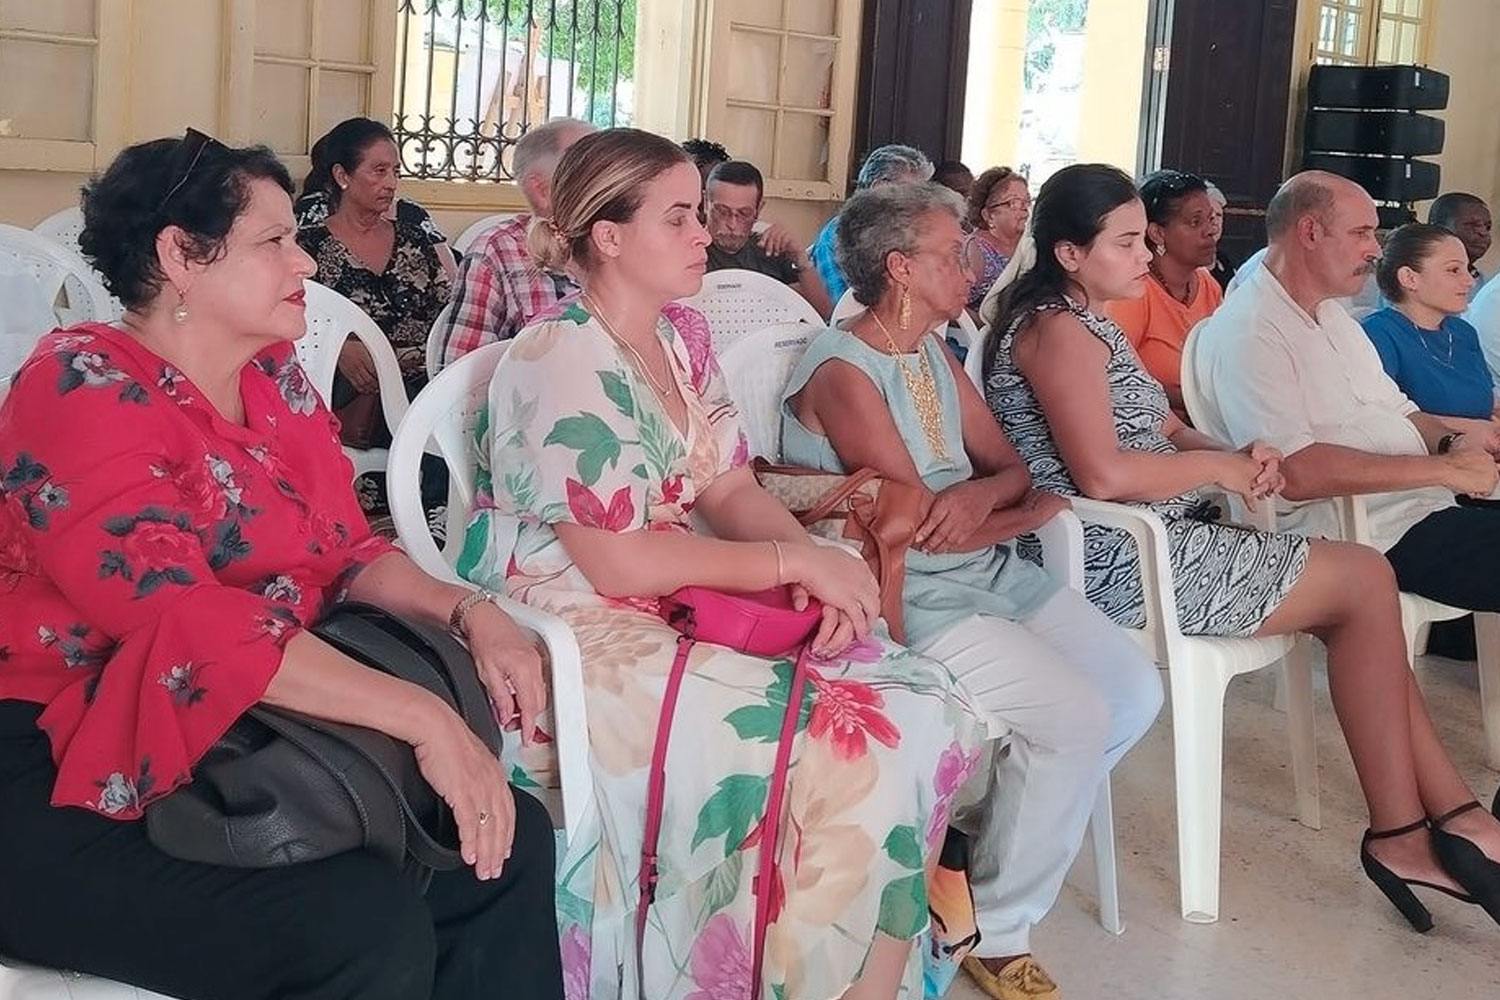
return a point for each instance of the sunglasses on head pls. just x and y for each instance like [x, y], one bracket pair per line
[185, 160]
[1172, 184]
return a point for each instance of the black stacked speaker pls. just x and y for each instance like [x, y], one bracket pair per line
[1366, 123]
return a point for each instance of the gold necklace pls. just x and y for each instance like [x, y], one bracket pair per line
[923, 391]
[665, 392]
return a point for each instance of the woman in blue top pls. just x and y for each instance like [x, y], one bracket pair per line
[1425, 346]
[1072, 690]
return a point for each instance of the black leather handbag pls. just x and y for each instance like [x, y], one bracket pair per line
[281, 788]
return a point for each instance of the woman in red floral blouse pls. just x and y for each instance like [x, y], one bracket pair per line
[174, 510]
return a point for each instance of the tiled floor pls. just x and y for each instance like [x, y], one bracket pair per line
[1297, 918]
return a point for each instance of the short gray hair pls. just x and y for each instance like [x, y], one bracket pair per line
[879, 220]
[541, 146]
[893, 163]
[1308, 193]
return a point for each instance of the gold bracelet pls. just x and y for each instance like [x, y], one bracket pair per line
[780, 567]
[462, 608]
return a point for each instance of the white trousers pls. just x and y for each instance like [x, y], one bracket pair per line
[1076, 693]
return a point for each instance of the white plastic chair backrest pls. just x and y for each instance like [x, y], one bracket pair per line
[1162, 633]
[25, 317]
[756, 370]
[62, 227]
[962, 329]
[737, 302]
[331, 319]
[435, 340]
[846, 306]
[441, 419]
[974, 360]
[477, 231]
[55, 267]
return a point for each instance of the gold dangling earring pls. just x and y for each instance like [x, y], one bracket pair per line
[903, 313]
[180, 314]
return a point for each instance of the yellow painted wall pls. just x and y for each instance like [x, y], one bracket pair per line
[992, 98]
[1465, 44]
[1114, 53]
[174, 81]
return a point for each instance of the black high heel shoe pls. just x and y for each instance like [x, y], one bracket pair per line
[1469, 866]
[1398, 889]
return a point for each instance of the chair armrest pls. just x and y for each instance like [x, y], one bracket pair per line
[1150, 536]
[569, 713]
[1062, 549]
[1354, 518]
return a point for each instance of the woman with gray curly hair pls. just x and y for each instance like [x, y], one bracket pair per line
[1070, 688]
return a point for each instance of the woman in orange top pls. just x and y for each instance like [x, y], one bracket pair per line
[1183, 231]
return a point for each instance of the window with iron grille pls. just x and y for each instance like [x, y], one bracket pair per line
[473, 75]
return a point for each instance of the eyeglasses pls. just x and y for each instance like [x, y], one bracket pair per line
[1014, 204]
[189, 151]
[727, 214]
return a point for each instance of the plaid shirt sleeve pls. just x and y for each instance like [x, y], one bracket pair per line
[499, 290]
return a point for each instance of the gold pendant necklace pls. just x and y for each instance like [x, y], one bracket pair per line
[665, 392]
[923, 391]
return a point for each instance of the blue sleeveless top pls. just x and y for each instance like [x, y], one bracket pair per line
[941, 589]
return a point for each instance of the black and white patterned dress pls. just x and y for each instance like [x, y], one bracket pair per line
[1228, 579]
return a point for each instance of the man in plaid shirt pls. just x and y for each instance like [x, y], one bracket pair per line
[499, 288]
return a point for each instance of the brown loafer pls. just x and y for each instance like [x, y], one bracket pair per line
[1021, 978]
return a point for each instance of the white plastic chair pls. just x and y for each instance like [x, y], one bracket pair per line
[62, 227]
[478, 230]
[1199, 669]
[25, 317]
[30, 982]
[846, 306]
[331, 319]
[737, 302]
[1417, 612]
[962, 329]
[442, 419]
[434, 341]
[59, 270]
[756, 370]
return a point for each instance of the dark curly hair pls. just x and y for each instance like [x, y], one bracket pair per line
[201, 187]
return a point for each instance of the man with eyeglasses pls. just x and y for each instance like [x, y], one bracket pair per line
[732, 202]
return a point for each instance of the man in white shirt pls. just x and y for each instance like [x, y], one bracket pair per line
[1283, 363]
[1484, 313]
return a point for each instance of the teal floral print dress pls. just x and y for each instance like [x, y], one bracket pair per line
[575, 437]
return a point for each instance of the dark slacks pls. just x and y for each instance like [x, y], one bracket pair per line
[1453, 556]
[89, 894]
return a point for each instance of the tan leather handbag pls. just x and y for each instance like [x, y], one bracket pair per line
[878, 516]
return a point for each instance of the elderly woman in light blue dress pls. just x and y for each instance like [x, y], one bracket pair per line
[1073, 690]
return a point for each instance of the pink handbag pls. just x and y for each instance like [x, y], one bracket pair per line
[761, 624]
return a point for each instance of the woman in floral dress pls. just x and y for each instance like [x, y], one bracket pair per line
[610, 423]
